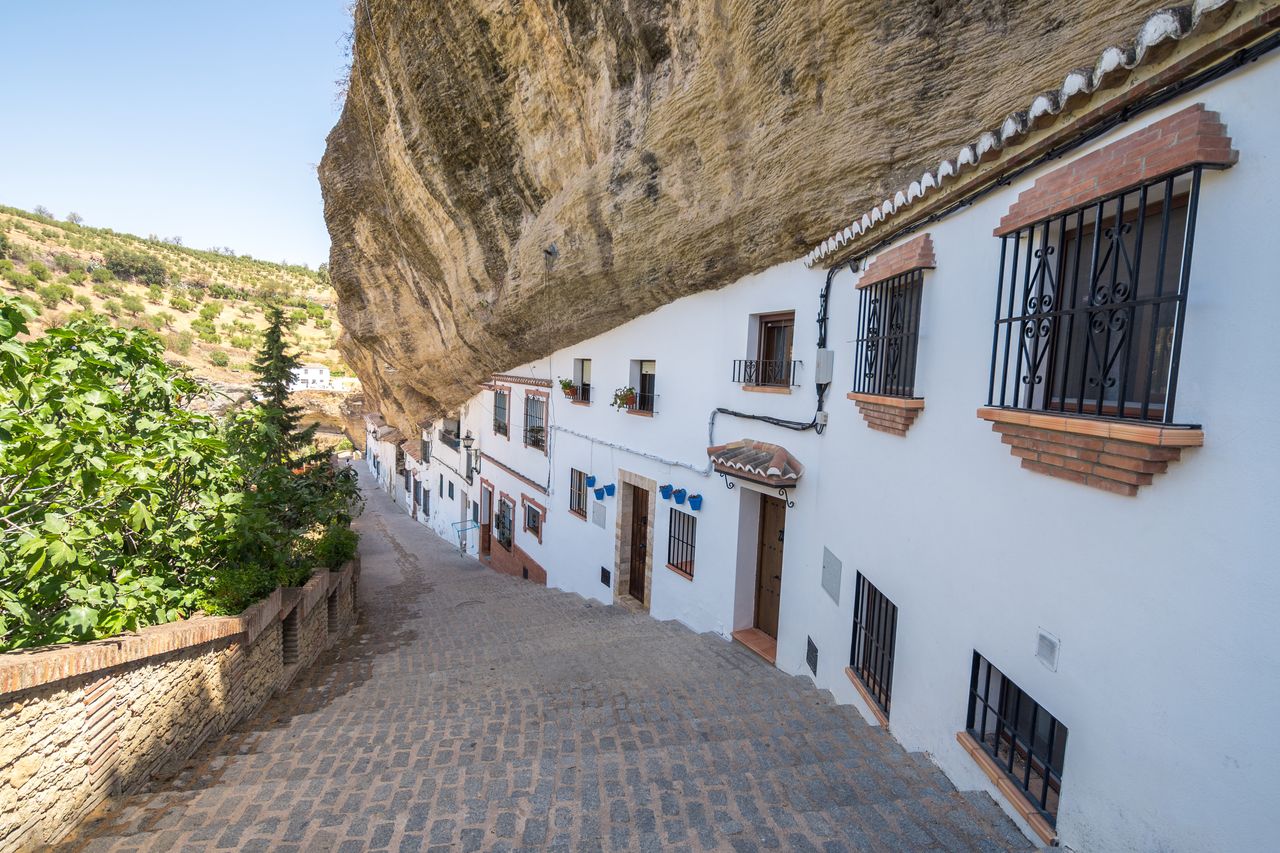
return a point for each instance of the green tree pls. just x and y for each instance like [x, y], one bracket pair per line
[39, 270]
[132, 304]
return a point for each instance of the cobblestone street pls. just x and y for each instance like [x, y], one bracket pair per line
[474, 711]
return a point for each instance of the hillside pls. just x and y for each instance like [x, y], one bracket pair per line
[207, 306]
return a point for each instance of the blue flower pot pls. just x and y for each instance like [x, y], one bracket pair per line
[679, 494]
[666, 491]
[695, 502]
[609, 489]
[591, 481]
[599, 494]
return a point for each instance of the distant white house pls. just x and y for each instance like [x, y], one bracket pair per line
[311, 377]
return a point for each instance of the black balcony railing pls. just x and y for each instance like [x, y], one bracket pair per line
[781, 374]
[643, 402]
[449, 439]
[582, 393]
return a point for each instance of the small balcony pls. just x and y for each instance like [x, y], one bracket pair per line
[580, 393]
[450, 438]
[767, 374]
[641, 403]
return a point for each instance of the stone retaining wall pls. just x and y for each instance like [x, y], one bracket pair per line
[81, 723]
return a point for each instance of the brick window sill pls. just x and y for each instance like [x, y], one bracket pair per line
[767, 389]
[893, 415]
[681, 572]
[640, 413]
[578, 515]
[872, 705]
[1108, 455]
[580, 402]
[1007, 789]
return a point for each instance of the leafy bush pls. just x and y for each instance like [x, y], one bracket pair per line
[155, 294]
[39, 270]
[178, 303]
[68, 263]
[84, 302]
[180, 342]
[5, 246]
[22, 280]
[107, 290]
[102, 275]
[52, 294]
[218, 358]
[209, 337]
[210, 310]
[76, 277]
[136, 265]
[336, 546]
[244, 342]
[132, 304]
[6, 265]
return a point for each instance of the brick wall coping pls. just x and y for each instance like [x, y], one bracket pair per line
[521, 380]
[24, 669]
[880, 400]
[1155, 436]
[514, 473]
[915, 254]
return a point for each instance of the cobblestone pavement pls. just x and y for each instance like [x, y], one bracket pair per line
[474, 711]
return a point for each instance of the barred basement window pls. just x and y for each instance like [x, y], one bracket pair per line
[535, 422]
[577, 492]
[1026, 741]
[1091, 305]
[875, 631]
[501, 400]
[888, 335]
[504, 521]
[681, 536]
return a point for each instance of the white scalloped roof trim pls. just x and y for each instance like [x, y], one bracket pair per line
[1161, 26]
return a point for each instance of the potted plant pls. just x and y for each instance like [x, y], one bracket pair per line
[600, 493]
[679, 494]
[609, 489]
[695, 502]
[666, 491]
[591, 481]
[624, 398]
[570, 390]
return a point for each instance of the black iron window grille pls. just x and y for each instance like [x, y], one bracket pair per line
[577, 492]
[501, 418]
[1026, 741]
[780, 374]
[1091, 305]
[502, 524]
[875, 631]
[681, 538]
[643, 401]
[888, 336]
[535, 422]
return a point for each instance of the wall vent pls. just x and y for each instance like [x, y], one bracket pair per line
[1047, 648]
[811, 656]
[606, 576]
[524, 571]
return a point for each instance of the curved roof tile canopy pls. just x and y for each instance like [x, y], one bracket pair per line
[756, 462]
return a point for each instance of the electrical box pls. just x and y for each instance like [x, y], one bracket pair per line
[823, 366]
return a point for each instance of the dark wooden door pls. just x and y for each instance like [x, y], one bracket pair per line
[773, 518]
[639, 542]
[486, 520]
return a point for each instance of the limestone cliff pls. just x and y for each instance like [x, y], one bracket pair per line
[664, 146]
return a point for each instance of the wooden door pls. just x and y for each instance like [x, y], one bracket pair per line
[773, 517]
[486, 520]
[639, 542]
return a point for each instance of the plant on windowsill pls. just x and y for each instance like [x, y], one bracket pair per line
[570, 390]
[624, 398]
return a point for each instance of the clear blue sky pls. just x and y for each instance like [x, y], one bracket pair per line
[200, 120]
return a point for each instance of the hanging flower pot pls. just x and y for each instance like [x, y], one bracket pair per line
[591, 481]
[570, 390]
[609, 489]
[600, 494]
[666, 491]
[679, 494]
[695, 502]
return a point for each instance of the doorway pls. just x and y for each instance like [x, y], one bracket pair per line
[639, 562]
[773, 518]
[486, 519]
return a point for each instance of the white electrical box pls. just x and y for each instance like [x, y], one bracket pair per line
[823, 366]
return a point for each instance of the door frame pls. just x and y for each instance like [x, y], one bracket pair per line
[622, 541]
[759, 573]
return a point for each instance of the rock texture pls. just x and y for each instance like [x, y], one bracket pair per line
[663, 146]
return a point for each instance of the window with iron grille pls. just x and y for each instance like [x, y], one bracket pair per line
[1091, 304]
[533, 520]
[535, 422]
[1026, 741]
[888, 335]
[875, 631]
[681, 538]
[501, 402]
[577, 492]
[502, 524]
[772, 365]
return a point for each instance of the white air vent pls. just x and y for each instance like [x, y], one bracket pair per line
[1047, 648]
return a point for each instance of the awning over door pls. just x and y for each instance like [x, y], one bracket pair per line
[757, 462]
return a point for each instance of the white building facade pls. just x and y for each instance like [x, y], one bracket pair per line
[1006, 480]
[311, 377]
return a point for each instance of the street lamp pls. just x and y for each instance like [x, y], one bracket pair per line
[473, 459]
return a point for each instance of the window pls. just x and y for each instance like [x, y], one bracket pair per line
[577, 492]
[875, 628]
[888, 335]
[535, 421]
[644, 377]
[772, 365]
[533, 520]
[1026, 741]
[681, 536]
[582, 379]
[451, 490]
[1091, 305]
[442, 485]
[449, 433]
[501, 417]
[502, 526]
[408, 480]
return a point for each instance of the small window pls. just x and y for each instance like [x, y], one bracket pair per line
[680, 542]
[502, 525]
[875, 629]
[501, 407]
[644, 379]
[577, 492]
[1091, 305]
[535, 422]
[582, 379]
[408, 481]
[1026, 741]
[533, 520]
[772, 365]
[451, 490]
[442, 485]
[888, 336]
